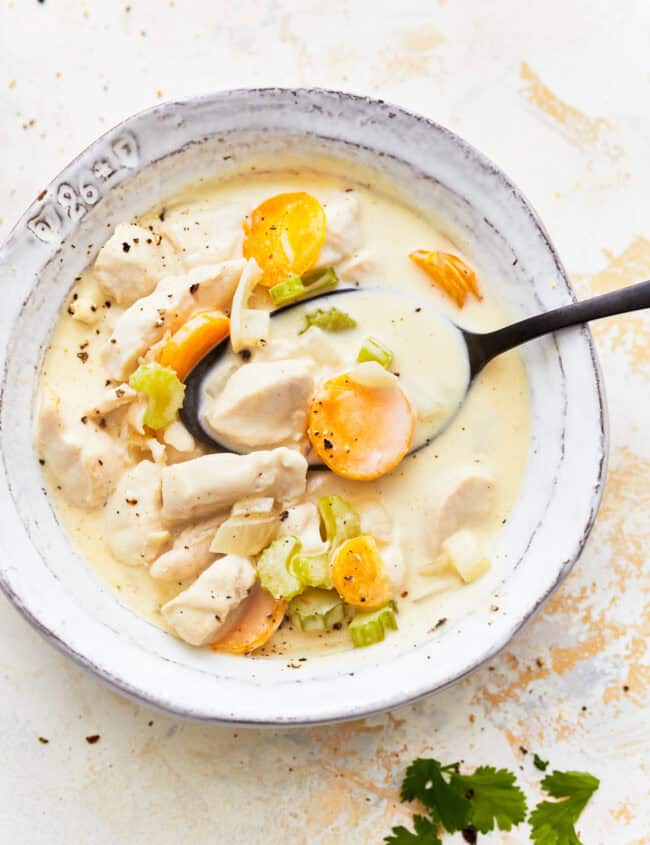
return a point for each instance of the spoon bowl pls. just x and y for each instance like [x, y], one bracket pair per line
[430, 358]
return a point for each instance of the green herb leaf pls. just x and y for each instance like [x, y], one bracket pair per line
[540, 764]
[426, 833]
[553, 822]
[424, 781]
[494, 798]
[330, 320]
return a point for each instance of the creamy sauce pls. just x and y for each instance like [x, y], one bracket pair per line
[490, 431]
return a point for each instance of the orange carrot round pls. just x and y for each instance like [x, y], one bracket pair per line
[358, 431]
[448, 272]
[358, 573]
[285, 235]
[193, 340]
[259, 619]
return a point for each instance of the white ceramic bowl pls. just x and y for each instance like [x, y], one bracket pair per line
[129, 169]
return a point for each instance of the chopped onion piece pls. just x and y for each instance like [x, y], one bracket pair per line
[372, 374]
[463, 551]
[248, 327]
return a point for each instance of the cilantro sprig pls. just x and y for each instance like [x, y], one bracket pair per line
[486, 799]
[553, 822]
[458, 801]
[426, 833]
[494, 798]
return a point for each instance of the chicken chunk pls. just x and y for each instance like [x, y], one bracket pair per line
[303, 522]
[136, 532]
[190, 554]
[375, 518]
[212, 483]
[263, 405]
[111, 400]
[208, 237]
[173, 301]
[469, 498]
[314, 346]
[198, 613]
[131, 263]
[178, 437]
[85, 461]
[343, 237]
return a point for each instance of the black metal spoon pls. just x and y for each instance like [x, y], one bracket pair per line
[481, 347]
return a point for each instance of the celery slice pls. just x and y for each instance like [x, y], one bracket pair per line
[300, 287]
[330, 320]
[374, 350]
[341, 521]
[317, 610]
[312, 571]
[318, 281]
[288, 291]
[370, 628]
[165, 391]
[273, 569]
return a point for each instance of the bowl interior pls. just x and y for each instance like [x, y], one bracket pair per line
[132, 168]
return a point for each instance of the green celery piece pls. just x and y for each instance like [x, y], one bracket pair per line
[370, 628]
[317, 610]
[330, 320]
[319, 281]
[165, 391]
[288, 291]
[274, 571]
[374, 350]
[312, 570]
[309, 284]
[341, 521]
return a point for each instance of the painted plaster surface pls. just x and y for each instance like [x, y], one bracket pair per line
[557, 94]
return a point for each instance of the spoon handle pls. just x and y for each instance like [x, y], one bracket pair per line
[484, 347]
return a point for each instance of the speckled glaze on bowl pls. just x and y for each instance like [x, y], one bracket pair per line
[129, 169]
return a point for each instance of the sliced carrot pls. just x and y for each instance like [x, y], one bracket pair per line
[359, 431]
[193, 340]
[285, 235]
[448, 272]
[259, 619]
[358, 573]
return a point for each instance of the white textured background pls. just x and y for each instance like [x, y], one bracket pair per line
[557, 92]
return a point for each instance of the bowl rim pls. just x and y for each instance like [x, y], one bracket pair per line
[393, 699]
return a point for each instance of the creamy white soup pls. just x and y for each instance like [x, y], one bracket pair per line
[340, 479]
